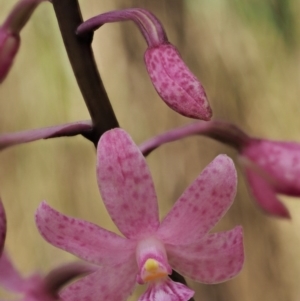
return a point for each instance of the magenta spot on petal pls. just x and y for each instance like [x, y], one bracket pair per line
[125, 206]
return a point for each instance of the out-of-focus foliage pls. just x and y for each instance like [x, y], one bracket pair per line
[247, 55]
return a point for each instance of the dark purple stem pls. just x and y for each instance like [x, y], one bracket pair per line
[84, 67]
[219, 130]
[149, 25]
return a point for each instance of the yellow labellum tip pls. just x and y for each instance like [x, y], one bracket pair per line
[151, 265]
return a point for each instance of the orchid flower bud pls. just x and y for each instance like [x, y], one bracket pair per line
[9, 45]
[175, 83]
[172, 79]
[10, 33]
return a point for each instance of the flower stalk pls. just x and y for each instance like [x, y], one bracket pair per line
[219, 130]
[84, 67]
[70, 129]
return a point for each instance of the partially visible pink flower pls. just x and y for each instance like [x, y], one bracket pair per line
[10, 33]
[2, 227]
[37, 287]
[272, 167]
[172, 79]
[150, 249]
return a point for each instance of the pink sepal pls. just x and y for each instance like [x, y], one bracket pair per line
[108, 283]
[10, 278]
[202, 205]
[83, 239]
[265, 195]
[167, 290]
[278, 162]
[126, 185]
[175, 83]
[216, 258]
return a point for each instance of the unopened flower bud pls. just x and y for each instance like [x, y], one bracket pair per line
[9, 45]
[175, 83]
[10, 33]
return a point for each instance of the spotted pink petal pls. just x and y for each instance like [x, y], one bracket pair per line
[280, 160]
[167, 290]
[216, 258]
[111, 284]
[202, 205]
[81, 238]
[175, 83]
[265, 195]
[126, 185]
[2, 227]
[10, 278]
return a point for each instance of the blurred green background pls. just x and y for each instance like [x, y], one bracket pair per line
[247, 55]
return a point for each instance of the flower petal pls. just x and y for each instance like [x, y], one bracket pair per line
[2, 227]
[108, 283]
[167, 290]
[10, 278]
[81, 238]
[265, 195]
[202, 205]
[216, 258]
[280, 160]
[126, 185]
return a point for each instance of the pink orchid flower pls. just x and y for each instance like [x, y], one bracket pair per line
[272, 167]
[150, 249]
[172, 79]
[2, 227]
[37, 287]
